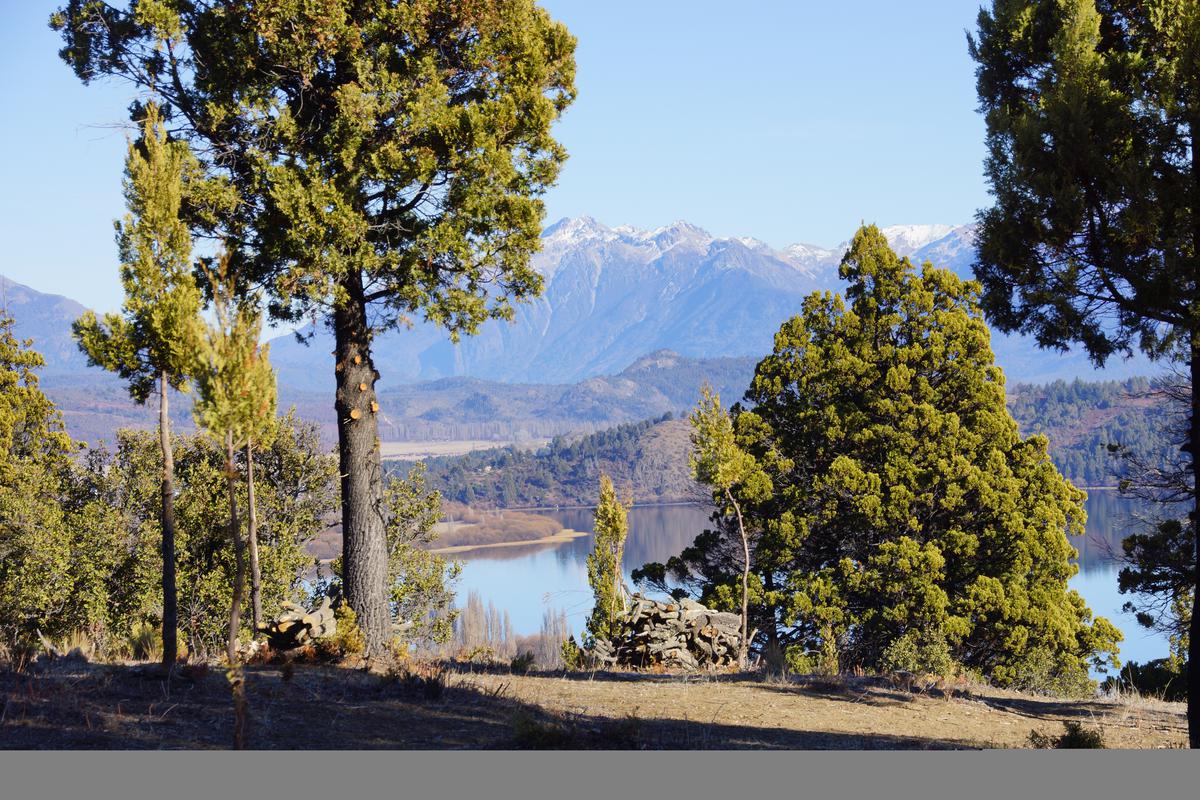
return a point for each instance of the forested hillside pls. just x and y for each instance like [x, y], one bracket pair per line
[1082, 418]
[650, 457]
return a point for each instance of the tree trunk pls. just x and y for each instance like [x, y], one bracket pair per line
[239, 575]
[170, 616]
[744, 645]
[1193, 665]
[364, 539]
[252, 539]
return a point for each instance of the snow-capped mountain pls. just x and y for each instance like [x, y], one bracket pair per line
[613, 294]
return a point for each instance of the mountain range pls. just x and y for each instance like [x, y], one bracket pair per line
[630, 323]
[614, 294]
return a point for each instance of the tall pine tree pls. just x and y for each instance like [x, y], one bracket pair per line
[389, 158]
[152, 343]
[1093, 134]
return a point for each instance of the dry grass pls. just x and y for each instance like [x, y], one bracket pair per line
[434, 705]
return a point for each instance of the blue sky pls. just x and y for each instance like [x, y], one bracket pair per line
[786, 121]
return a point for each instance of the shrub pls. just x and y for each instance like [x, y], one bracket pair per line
[522, 663]
[918, 653]
[1040, 672]
[1160, 678]
[347, 641]
[1075, 737]
[572, 655]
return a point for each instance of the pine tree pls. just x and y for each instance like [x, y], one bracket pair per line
[388, 160]
[235, 404]
[1093, 134]
[733, 473]
[906, 514]
[152, 343]
[604, 563]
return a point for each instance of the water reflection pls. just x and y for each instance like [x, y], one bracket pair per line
[528, 580]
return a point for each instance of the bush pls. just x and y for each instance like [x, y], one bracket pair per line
[521, 663]
[1159, 678]
[1075, 737]
[918, 653]
[347, 640]
[1038, 671]
[572, 655]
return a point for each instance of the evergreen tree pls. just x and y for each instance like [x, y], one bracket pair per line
[152, 343]
[906, 512]
[1093, 131]
[235, 403]
[720, 463]
[35, 553]
[388, 159]
[604, 563]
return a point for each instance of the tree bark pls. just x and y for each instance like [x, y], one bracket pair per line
[239, 575]
[744, 645]
[252, 540]
[1193, 665]
[364, 539]
[170, 616]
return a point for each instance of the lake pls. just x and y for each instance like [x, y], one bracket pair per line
[527, 581]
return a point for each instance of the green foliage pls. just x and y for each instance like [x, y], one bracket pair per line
[1158, 570]
[1075, 737]
[918, 653]
[405, 142]
[572, 655]
[1091, 110]
[158, 330]
[295, 492]
[1164, 678]
[38, 543]
[347, 640]
[563, 472]
[604, 563]
[235, 383]
[904, 500]
[422, 583]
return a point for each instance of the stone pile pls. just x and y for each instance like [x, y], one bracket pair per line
[296, 626]
[681, 634]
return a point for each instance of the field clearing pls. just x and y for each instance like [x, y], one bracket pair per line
[411, 451]
[123, 706]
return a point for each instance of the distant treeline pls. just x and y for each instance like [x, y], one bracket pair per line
[1082, 418]
[649, 458]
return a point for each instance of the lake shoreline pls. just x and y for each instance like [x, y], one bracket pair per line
[565, 535]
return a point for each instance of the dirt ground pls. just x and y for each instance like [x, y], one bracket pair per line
[72, 705]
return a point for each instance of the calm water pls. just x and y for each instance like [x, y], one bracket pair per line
[528, 581]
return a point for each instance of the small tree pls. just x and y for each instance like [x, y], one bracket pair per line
[719, 462]
[422, 583]
[153, 342]
[236, 403]
[604, 563]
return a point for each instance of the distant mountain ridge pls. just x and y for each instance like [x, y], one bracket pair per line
[613, 294]
[617, 300]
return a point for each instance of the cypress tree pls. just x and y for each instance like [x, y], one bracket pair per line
[604, 563]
